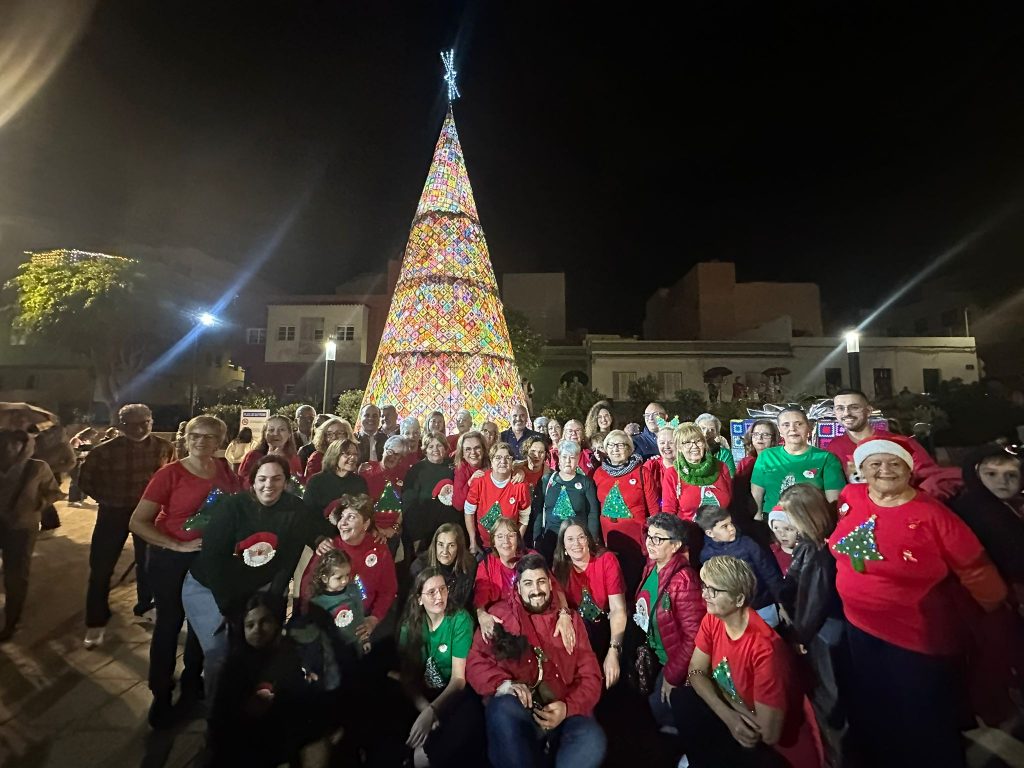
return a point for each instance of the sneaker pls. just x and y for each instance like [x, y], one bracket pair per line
[684, 762]
[94, 637]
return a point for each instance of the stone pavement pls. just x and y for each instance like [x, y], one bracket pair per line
[64, 707]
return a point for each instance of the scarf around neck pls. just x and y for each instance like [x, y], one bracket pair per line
[704, 473]
[632, 463]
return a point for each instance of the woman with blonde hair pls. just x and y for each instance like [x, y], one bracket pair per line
[696, 477]
[169, 516]
[330, 431]
[338, 476]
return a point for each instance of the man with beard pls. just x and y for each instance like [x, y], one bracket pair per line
[539, 697]
[853, 411]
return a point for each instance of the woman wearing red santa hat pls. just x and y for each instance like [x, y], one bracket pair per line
[895, 549]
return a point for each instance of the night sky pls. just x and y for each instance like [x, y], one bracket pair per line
[804, 141]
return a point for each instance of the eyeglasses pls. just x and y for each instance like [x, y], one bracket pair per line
[200, 437]
[659, 540]
[433, 593]
[691, 444]
[619, 446]
[506, 536]
[762, 435]
[712, 592]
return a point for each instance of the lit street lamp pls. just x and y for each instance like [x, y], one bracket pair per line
[330, 352]
[853, 357]
[203, 320]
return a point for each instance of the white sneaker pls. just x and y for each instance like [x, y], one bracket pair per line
[94, 637]
[684, 762]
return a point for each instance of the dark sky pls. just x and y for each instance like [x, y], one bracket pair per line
[805, 141]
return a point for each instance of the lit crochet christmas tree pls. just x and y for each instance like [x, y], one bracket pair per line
[446, 344]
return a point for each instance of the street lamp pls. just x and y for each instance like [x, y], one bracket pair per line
[330, 352]
[203, 320]
[853, 357]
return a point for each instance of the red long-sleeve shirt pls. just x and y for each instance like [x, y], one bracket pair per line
[375, 568]
[640, 497]
[683, 499]
[572, 678]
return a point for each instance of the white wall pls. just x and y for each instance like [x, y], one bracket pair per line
[304, 351]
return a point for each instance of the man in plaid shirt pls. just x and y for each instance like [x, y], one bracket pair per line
[115, 473]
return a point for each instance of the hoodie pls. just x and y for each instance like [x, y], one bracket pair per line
[998, 526]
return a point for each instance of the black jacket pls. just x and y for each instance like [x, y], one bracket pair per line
[994, 522]
[809, 590]
[379, 438]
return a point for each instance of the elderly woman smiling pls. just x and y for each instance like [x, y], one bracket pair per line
[696, 476]
[568, 495]
[894, 547]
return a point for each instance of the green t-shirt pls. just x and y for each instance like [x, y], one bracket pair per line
[649, 595]
[776, 470]
[451, 639]
[725, 456]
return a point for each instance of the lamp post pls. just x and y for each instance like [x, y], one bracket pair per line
[203, 320]
[330, 351]
[853, 357]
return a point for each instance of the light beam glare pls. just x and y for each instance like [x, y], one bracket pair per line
[34, 40]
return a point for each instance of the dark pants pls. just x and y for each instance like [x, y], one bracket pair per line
[17, 545]
[708, 741]
[166, 571]
[108, 538]
[514, 740]
[903, 706]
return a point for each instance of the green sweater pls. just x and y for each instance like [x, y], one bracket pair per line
[234, 564]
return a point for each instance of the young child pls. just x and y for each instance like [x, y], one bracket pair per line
[785, 537]
[264, 711]
[338, 594]
[722, 538]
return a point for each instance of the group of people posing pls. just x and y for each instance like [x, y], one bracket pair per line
[513, 597]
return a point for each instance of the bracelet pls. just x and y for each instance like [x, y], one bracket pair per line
[694, 673]
[564, 612]
[617, 647]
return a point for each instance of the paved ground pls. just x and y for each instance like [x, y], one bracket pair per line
[64, 707]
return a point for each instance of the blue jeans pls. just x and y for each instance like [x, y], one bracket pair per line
[516, 741]
[207, 622]
[661, 711]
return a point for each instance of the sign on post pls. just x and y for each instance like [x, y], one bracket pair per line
[254, 419]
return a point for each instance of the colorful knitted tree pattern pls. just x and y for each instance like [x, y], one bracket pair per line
[860, 545]
[446, 345]
[563, 508]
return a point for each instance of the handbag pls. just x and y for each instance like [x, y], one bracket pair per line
[644, 664]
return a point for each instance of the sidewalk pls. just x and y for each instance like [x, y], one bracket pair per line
[61, 705]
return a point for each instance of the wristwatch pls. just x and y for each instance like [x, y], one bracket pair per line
[617, 647]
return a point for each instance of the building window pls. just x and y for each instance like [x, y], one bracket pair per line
[289, 389]
[622, 380]
[932, 378]
[256, 336]
[883, 383]
[921, 326]
[311, 329]
[833, 380]
[286, 333]
[345, 333]
[670, 383]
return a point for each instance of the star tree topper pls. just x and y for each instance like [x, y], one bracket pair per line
[448, 59]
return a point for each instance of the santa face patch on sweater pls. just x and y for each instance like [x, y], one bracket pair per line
[258, 549]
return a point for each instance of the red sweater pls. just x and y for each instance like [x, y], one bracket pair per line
[897, 598]
[602, 577]
[377, 477]
[372, 566]
[679, 616]
[513, 499]
[573, 678]
[460, 485]
[654, 468]
[181, 494]
[640, 497]
[683, 499]
[314, 465]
